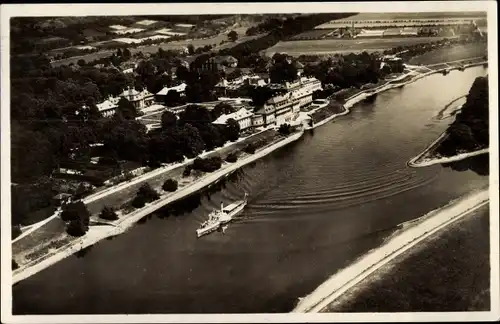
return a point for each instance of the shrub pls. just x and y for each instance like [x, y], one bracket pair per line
[207, 165]
[285, 129]
[187, 171]
[145, 195]
[232, 157]
[250, 148]
[170, 185]
[108, 213]
[139, 201]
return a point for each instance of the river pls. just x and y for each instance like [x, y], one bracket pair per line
[314, 207]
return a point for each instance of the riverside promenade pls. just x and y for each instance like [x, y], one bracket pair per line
[97, 233]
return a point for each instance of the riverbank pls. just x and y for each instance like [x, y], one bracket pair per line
[428, 156]
[448, 262]
[97, 233]
[345, 279]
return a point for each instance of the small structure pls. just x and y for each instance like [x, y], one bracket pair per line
[409, 31]
[392, 32]
[370, 33]
[61, 198]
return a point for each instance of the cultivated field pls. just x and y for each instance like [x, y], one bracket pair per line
[454, 53]
[404, 19]
[333, 46]
[175, 45]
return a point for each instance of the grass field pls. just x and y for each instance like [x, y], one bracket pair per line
[332, 46]
[449, 271]
[457, 52]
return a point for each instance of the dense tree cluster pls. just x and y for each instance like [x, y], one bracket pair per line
[78, 217]
[108, 213]
[470, 130]
[232, 157]
[170, 185]
[352, 70]
[145, 195]
[285, 129]
[190, 134]
[207, 165]
[283, 69]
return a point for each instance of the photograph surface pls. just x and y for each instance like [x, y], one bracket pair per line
[329, 162]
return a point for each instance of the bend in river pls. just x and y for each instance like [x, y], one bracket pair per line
[314, 207]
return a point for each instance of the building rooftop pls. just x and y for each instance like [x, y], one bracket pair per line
[238, 115]
[179, 88]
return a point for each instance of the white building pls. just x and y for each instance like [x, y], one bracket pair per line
[242, 116]
[181, 89]
[108, 107]
[140, 100]
[303, 89]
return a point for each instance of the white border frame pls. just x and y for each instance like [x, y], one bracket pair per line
[19, 10]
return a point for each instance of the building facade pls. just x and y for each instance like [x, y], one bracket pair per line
[140, 100]
[242, 116]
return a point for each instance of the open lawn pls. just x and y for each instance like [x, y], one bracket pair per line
[457, 52]
[449, 271]
[333, 46]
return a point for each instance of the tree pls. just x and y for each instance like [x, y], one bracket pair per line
[76, 211]
[145, 195]
[126, 53]
[127, 139]
[232, 35]
[232, 157]
[283, 69]
[125, 110]
[190, 49]
[221, 109]
[78, 216]
[170, 185]
[285, 129]
[234, 74]
[108, 213]
[250, 148]
[172, 98]
[260, 95]
[168, 119]
[232, 130]
[14, 265]
[77, 227]
[81, 62]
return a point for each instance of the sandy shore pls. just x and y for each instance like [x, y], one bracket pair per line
[97, 233]
[353, 274]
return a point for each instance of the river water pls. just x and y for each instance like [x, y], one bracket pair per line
[314, 207]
